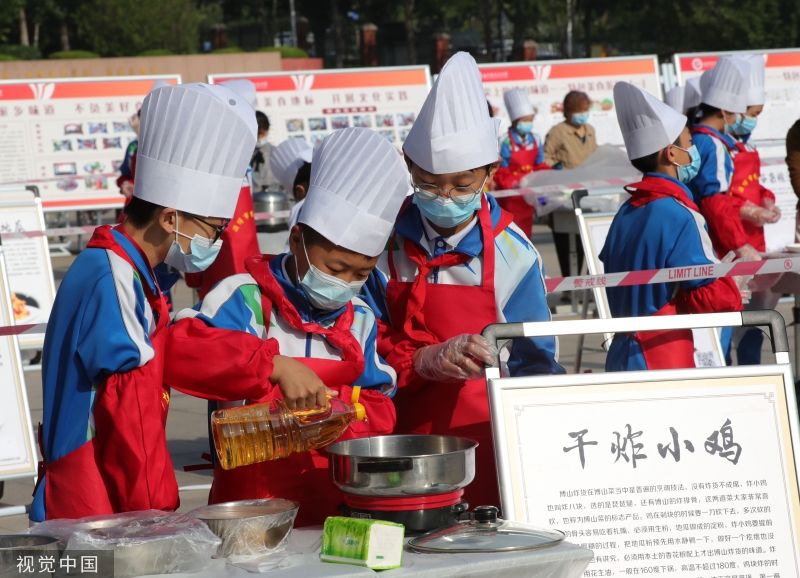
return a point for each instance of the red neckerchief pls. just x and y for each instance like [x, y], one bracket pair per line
[338, 334]
[736, 148]
[652, 188]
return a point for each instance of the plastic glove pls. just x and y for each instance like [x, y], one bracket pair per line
[759, 216]
[770, 205]
[459, 358]
[747, 253]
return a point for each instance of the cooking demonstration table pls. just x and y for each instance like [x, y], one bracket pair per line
[301, 560]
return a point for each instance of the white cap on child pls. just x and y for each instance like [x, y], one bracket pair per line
[287, 158]
[647, 124]
[358, 184]
[725, 85]
[453, 131]
[195, 143]
[244, 88]
[518, 104]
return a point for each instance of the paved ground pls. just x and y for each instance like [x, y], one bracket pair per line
[186, 426]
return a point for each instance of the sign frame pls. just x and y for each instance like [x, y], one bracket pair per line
[505, 408]
[29, 467]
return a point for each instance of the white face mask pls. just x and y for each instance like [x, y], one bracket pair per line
[203, 252]
[325, 291]
[261, 142]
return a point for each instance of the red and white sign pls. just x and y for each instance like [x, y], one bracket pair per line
[315, 103]
[549, 81]
[69, 136]
[782, 85]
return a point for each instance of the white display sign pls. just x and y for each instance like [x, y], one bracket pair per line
[680, 473]
[312, 104]
[594, 229]
[69, 136]
[775, 176]
[18, 457]
[782, 83]
[549, 81]
[30, 271]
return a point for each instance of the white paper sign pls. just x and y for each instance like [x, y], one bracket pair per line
[689, 473]
[30, 270]
[548, 82]
[18, 456]
[775, 176]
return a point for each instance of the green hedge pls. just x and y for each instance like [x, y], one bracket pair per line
[65, 54]
[19, 52]
[286, 51]
[228, 50]
[7, 57]
[157, 52]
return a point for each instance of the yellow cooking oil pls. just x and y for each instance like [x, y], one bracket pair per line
[261, 432]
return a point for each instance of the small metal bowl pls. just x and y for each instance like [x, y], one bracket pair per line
[249, 526]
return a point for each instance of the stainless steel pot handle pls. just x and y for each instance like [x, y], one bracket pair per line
[385, 466]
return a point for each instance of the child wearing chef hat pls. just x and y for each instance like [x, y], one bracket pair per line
[291, 165]
[456, 264]
[240, 239]
[303, 307]
[724, 91]
[757, 203]
[105, 405]
[521, 153]
[659, 227]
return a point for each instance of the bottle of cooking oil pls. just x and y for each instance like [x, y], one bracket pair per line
[261, 432]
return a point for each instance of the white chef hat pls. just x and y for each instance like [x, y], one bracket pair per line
[692, 95]
[287, 158]
[195, 143]
[674, 98]
[755, 85]
[453, 131]
[244, 88]
[358, 183]
[725, 85]
[518, 104]
[648, 125]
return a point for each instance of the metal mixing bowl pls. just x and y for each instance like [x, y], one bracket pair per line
[249, 526]
[402, 465]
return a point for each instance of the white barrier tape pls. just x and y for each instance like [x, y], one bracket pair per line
[674, 274]
[624, 279]
[89, 229]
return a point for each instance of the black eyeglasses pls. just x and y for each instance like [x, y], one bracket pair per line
[218, 229]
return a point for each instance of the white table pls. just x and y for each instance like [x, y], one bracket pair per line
[301, 560]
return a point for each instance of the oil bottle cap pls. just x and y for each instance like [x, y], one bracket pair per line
[361, 412]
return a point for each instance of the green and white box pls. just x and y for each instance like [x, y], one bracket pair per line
[375, 544]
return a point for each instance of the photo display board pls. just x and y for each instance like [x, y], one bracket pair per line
[69, 136]
[549, 81]
[313, 104]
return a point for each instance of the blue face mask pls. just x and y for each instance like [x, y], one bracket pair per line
[747, 125]
[688, 172]
[735, 126]
[325, 291]
[203, 253]
[580, 118]
[525, 127]
[445, 213]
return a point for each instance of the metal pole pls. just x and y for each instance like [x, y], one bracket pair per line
[293, 20]
[569, 27]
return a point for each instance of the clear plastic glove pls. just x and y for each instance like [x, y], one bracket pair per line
[756, 215]
[747, 253]
[460, 357]
[770, 205]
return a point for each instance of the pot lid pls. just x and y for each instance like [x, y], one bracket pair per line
[485, 533]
